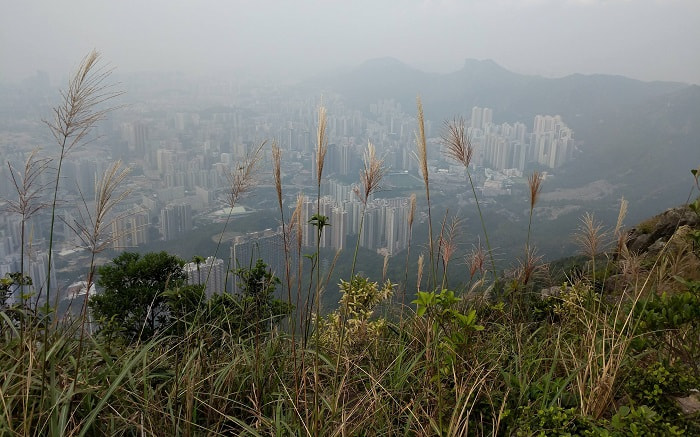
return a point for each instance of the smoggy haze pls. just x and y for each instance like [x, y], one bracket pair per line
[643, 39]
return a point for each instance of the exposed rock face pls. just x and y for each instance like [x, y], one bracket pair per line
[651, 235]
[689, 404]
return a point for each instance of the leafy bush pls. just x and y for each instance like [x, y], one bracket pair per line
[254, 310]
[654, 385]
[641, 421]
[350, 327]
[668, 325]
[133, 304]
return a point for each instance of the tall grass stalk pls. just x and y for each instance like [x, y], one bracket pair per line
[91, 231]
[449, 246]
[277, 172]
[74, 119]
[411, 217]
[534, 182]
[320, 223]
[589, 237]
[371, 175]
[422, 153]
[30, 192]
[241, 179]
[459, 147]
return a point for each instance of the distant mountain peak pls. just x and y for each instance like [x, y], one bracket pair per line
[481, 62]
[483, 65]
[386, 61]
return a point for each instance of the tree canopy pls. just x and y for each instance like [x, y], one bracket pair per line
[133, 301]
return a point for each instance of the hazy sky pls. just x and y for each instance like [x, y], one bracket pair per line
[644, 39]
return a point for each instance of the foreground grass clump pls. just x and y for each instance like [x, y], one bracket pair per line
[461, 367]
[611, 351]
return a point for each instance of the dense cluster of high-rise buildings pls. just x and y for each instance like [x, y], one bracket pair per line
[384, 226]
[182, 144]
[504, 146]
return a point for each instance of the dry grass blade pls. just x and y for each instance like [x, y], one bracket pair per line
[91, 229]
[28, 185]
[241, 177]
[534, 181]
[412, 210]
[531, 267]
[457, 143]
[621, 215]
[475, 260]
[385, 266]
[448, 240]
[371, 174]
[80, 109]
[321, 143]
[421, 143]
[619, 234]
[590, 235]
[297, 220]
[419, 275]
[277, 171]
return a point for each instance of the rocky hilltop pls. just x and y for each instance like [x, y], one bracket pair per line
[650, 236]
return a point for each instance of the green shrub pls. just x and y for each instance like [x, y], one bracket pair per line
[641, 421]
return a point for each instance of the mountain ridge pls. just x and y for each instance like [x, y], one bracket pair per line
[641, 135]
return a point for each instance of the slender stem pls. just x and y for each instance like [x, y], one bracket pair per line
[319, 230]
[405, 278]
[288, 280]
[529, 228]
[440, 246]
[23, 323]
[357, 243]
[483, 226]
[48, 274]
[216, 251]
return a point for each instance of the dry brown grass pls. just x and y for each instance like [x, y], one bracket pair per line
[534, 182]
[599, 352]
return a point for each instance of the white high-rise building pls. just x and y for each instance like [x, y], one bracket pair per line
[267, 245]
[486, 117]
[212, 273]
[476, 121]
[175, 220]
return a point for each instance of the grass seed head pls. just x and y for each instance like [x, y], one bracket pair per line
[535, 184]
[457, 142]
[421, 143]
[241, 178]
[321, 143]
[371, 174]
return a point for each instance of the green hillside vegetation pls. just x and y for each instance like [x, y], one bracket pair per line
[603, 343]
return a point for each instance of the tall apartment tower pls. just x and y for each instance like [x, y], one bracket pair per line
[486, 117]
[212, 273]
[130, 229]
[267, 245]
[476, 118]
[175, 220]
[552, 141]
